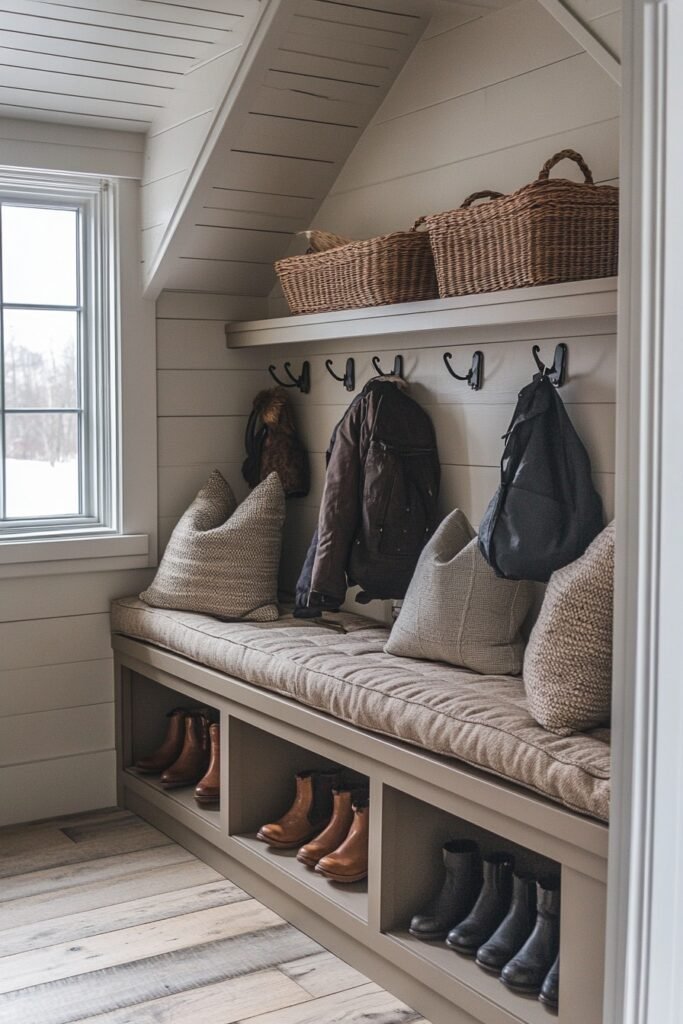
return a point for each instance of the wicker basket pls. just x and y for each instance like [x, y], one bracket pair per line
[549, 231]
[376, 272]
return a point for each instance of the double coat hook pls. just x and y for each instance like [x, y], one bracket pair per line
[557, 373]
[475, 374]
[302, 382]
[349, 378]
[397, 370]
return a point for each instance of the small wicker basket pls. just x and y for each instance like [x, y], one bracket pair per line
[549, 231]
[378, 271]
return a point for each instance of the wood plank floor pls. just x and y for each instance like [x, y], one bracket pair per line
[104, 920]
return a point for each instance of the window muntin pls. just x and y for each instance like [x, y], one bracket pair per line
[57, 431]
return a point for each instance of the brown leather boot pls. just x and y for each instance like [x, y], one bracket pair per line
[308, 815]
[169, 751]
[335, 833]
[194, 757]
[208, 789]
[349, 862]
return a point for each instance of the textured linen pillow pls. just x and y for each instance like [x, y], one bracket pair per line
[223, 559]
[457, 610]
[568, 662]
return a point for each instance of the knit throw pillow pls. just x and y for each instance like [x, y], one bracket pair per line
[568, 662]
[223, 559]
[457, 610]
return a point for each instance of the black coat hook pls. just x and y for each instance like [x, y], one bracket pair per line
[302, 382]
[349, 378]
[397, 370]
[557, 373]
[475, 374]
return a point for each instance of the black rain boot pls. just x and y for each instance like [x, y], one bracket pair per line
[550, 991]
[457, 895]
[527, 971]
[516, 928]
[491, 907]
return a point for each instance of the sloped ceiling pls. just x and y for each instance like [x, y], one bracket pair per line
[311, 78]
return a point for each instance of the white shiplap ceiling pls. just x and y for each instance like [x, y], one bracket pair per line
[107, 63]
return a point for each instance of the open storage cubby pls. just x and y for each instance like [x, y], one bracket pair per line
[413, 871]
[147, 706]
[262, 787]
[417, 801]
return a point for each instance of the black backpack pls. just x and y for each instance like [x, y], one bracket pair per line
[546, 511]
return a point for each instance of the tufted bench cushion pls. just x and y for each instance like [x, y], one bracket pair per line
[481, 720]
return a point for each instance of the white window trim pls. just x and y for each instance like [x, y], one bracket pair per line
[131, 541]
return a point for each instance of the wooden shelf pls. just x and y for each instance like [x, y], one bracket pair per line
[573, 300]
[351, 898]
[184, 797]
[465, 971]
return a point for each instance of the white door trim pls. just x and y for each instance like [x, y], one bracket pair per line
[644, 978]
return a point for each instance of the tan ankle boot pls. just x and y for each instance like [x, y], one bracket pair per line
[309, 813]
[169, 751]
[349, 862]
[208, 789]
[335, 833]
[194, 757]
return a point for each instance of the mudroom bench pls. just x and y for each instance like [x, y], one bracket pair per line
[447, 754]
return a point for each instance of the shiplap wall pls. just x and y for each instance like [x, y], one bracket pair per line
[56, 673]
[481, 103]
[204, 396]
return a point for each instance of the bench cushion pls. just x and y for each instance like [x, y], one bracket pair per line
[481, 720]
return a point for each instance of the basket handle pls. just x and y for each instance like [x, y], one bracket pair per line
[486, 194]
[566, 154]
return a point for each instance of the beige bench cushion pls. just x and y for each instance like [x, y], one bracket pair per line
[481, 720]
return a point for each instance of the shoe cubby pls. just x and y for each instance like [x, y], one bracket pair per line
[261, 788]
[147, 710]
[412, 873]
[418, 802]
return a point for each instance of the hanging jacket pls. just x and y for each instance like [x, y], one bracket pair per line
[546, 511]
[272, 445]
[379, 505]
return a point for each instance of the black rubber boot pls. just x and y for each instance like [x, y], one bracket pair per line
[491, 907]
[527, 971]
[458, 893]
[550, 991]
[515, 929]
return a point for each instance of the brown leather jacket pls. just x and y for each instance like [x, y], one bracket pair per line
[379, 505]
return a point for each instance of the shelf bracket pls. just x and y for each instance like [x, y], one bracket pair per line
[584, 36]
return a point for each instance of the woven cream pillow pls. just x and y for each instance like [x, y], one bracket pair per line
[223, 559]
[457, 610]
[568, 663]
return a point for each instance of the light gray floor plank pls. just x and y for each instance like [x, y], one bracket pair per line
[151, 935]
[112, 918]
[322, 974]
[85, 844]
[222, 1003]
[86, 995]
[179, 872]
[50, 881]
[367, 1004]
[22, 835]
[54, 963]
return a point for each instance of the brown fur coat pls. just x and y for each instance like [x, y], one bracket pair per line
[272, 445]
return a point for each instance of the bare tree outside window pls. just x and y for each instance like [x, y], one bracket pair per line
[41, 325]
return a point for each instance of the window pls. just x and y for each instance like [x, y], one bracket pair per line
[57, 374]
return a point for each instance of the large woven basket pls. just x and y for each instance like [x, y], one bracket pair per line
[549, 231]
[376, 272]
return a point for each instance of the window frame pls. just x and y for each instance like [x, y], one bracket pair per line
[98, 399]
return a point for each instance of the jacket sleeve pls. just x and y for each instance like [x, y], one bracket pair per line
[339, 511]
